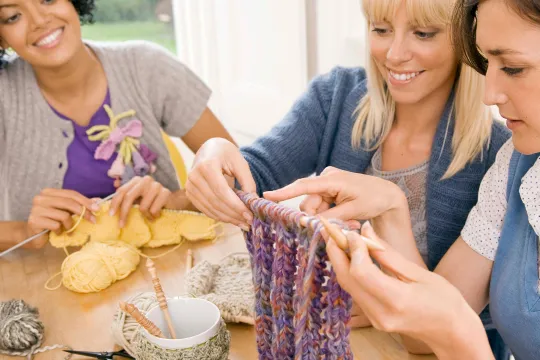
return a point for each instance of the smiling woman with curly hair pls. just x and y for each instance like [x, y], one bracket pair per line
[82, 120]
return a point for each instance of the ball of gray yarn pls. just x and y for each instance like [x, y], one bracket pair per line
[20, 328]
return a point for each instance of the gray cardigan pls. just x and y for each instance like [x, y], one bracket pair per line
[141, 76]
[316, 133]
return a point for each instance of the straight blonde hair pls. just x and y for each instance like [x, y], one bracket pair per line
[376, 111]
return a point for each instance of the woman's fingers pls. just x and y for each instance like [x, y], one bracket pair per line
[309, 186]
[393, 261]
[210, 179]
[159, 202]
[242, 173]
[200, 202]
[221, 200]
[130, 197]
[368, 277]
[359, 321]
[39, 223]
[121, 192]
[66, 204]
[345, 211]
[311, 204]
[340, 263]
[73, 195]
[149, 198]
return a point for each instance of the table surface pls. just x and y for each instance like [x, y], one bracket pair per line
[83, 321]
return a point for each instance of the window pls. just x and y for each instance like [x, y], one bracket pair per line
[119, 20]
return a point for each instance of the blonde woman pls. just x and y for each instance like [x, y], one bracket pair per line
[496, 258]
[414, 118]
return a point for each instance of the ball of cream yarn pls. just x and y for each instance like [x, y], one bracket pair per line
[98, 265]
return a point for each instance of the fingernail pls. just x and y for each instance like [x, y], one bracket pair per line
[111, 212]
[93, 219]
[368, 225]
[248, 217]
[244, 227]
[95, 207]
[121, 224]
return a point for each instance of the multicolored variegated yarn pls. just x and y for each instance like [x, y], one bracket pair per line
[301, 311]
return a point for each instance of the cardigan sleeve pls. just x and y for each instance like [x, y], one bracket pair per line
[177, 95]
[484, 224]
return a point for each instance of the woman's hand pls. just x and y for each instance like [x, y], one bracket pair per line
[404, 298]
[150, 194]
[358, 318]
[53, 210]
[356, 196]
[210, 182]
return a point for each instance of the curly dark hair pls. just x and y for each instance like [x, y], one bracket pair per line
[85, 9]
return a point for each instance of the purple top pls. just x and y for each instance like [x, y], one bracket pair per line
[85, 174]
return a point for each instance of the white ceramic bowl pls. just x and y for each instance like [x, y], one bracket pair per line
[195, 322]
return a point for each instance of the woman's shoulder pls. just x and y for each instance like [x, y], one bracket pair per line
[13, 65]
[16, 79]
[130, 49]
[125, 46]
[348, 77]
[343, 84]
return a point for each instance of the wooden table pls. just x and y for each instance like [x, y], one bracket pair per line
[83, 321]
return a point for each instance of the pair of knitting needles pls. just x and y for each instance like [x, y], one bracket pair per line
[162, 300]
[44, 232]
[340, 236]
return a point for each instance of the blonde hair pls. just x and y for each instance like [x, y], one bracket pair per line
[376, 110]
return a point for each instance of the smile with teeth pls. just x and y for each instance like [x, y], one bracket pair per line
[49, 39]
[404, 76]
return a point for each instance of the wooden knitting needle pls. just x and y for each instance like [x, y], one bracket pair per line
[189, 260]
[44, 232]
[340, 237]
[141, 319]
[160, 296]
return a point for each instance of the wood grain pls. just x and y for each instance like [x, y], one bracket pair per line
[83, 321]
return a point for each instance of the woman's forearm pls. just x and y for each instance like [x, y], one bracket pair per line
[395, 227]
[467, 339]
[11, 233]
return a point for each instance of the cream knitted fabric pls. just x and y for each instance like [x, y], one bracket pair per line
[217, 348]
[229, 285]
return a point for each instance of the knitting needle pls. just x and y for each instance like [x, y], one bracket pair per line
[189, 260]
[160, 296]
[141, 319]
[44, 232]
[340, 235]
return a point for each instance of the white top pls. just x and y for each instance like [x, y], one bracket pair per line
[484, 224]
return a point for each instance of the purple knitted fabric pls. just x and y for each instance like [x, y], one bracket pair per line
[301, 311]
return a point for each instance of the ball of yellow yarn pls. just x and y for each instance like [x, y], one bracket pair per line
[98, 265]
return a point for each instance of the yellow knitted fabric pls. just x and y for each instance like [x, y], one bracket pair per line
[171, 228]
[112, 253]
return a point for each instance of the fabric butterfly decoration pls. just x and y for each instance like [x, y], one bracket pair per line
[134, 158]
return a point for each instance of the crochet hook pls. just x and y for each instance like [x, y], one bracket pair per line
[141, 319]
[162, 299]
[44, 232]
